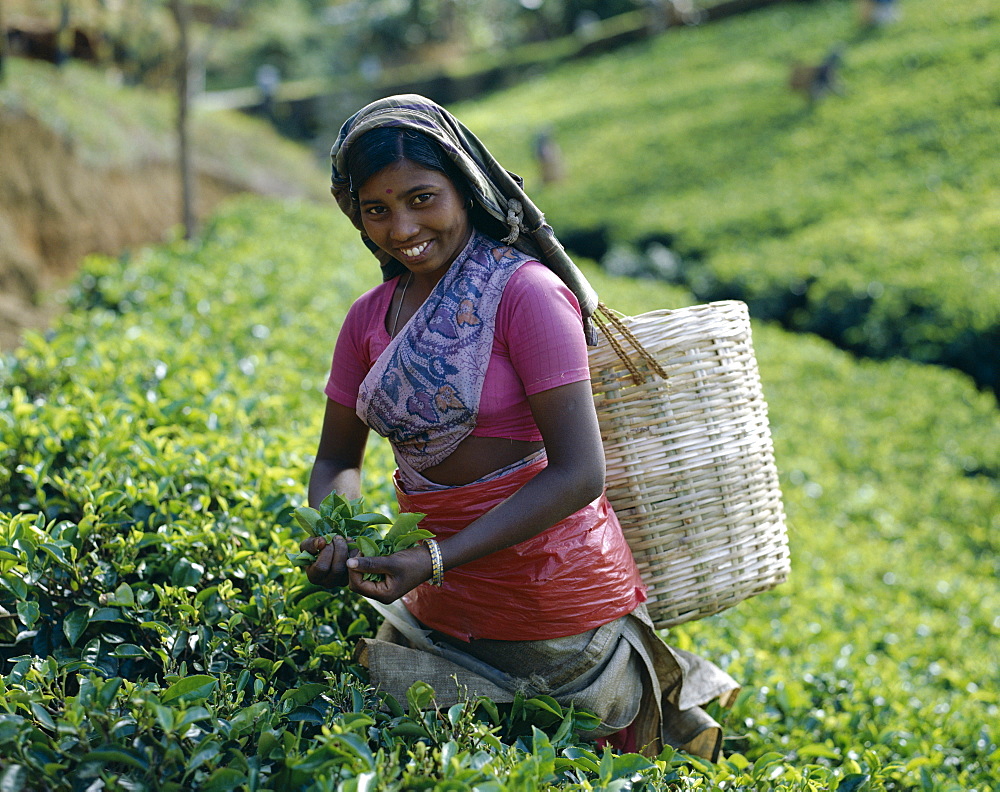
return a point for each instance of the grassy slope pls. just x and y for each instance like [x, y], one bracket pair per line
[134, 127]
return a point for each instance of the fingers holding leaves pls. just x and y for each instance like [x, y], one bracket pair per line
[368, 534]
[329, 566]
[386, 578]
[312, 545]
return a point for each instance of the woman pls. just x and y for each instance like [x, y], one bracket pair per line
[471, 358]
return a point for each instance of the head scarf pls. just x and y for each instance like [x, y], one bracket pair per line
[498, 191]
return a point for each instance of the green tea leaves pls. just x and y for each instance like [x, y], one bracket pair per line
[364, 520]
[193, 688]
[409, 539]
[367, 546]
[308, 518]
[404, 523]
[370, 533]
[300, 559]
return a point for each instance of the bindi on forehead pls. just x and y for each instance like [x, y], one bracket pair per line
[388, 192]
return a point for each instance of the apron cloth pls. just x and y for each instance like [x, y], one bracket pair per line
[622, 672]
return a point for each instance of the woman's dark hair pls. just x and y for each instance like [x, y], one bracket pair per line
[386, 146]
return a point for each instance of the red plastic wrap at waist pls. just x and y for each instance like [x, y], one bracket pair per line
[572, 577]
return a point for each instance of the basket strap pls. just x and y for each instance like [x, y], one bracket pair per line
[603, 317]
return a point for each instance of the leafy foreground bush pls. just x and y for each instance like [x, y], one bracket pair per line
[155, 636]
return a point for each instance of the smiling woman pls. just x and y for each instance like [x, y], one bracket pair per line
[418, 217]
[471, 358]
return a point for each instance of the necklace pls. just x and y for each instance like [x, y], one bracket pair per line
[392, 333]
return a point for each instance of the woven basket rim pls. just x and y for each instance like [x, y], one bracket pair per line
[684, 310]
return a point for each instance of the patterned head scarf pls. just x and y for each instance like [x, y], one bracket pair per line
[498, 191]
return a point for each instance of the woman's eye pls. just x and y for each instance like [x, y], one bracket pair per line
[419, 199]
[375, 210]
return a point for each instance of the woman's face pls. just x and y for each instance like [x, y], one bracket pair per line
[417, 216]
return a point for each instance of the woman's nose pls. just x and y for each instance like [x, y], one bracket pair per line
[404, 227]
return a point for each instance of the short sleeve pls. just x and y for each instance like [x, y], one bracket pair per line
[360, 341]
[540, 321]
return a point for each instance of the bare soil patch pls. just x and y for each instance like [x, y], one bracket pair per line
[55, 210]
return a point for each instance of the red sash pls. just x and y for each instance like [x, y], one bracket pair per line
[573, 577]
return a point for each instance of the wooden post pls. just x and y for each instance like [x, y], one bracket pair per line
[182, 18]
[3, 46]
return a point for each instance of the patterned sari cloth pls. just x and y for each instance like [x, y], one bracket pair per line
[423, 391]
[600, 650]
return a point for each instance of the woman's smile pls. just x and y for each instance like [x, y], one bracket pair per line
[414, 252]
[417, 216]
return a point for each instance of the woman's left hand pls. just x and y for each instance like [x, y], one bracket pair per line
[401, 572]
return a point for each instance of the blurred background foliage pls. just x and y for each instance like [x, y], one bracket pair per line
[307, 38]
[863, 210]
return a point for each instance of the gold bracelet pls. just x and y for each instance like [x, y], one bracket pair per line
[437, 565]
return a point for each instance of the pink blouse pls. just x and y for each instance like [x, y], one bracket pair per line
[538, 345]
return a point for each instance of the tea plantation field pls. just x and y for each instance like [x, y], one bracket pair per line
[871, 219]
[154, 636]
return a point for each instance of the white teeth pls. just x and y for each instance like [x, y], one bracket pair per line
[415, 251]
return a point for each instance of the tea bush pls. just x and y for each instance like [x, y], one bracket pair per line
[155, 636]
[870, 218]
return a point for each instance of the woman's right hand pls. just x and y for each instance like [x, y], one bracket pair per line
[330, 567]
[400, 573]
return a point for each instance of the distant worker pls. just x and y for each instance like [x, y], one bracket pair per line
[268, 80]
[549, 157]
[684, 12]
[663, 14]
[818, 80]
[875, 13]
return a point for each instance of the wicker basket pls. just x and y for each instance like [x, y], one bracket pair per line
[691, 469]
